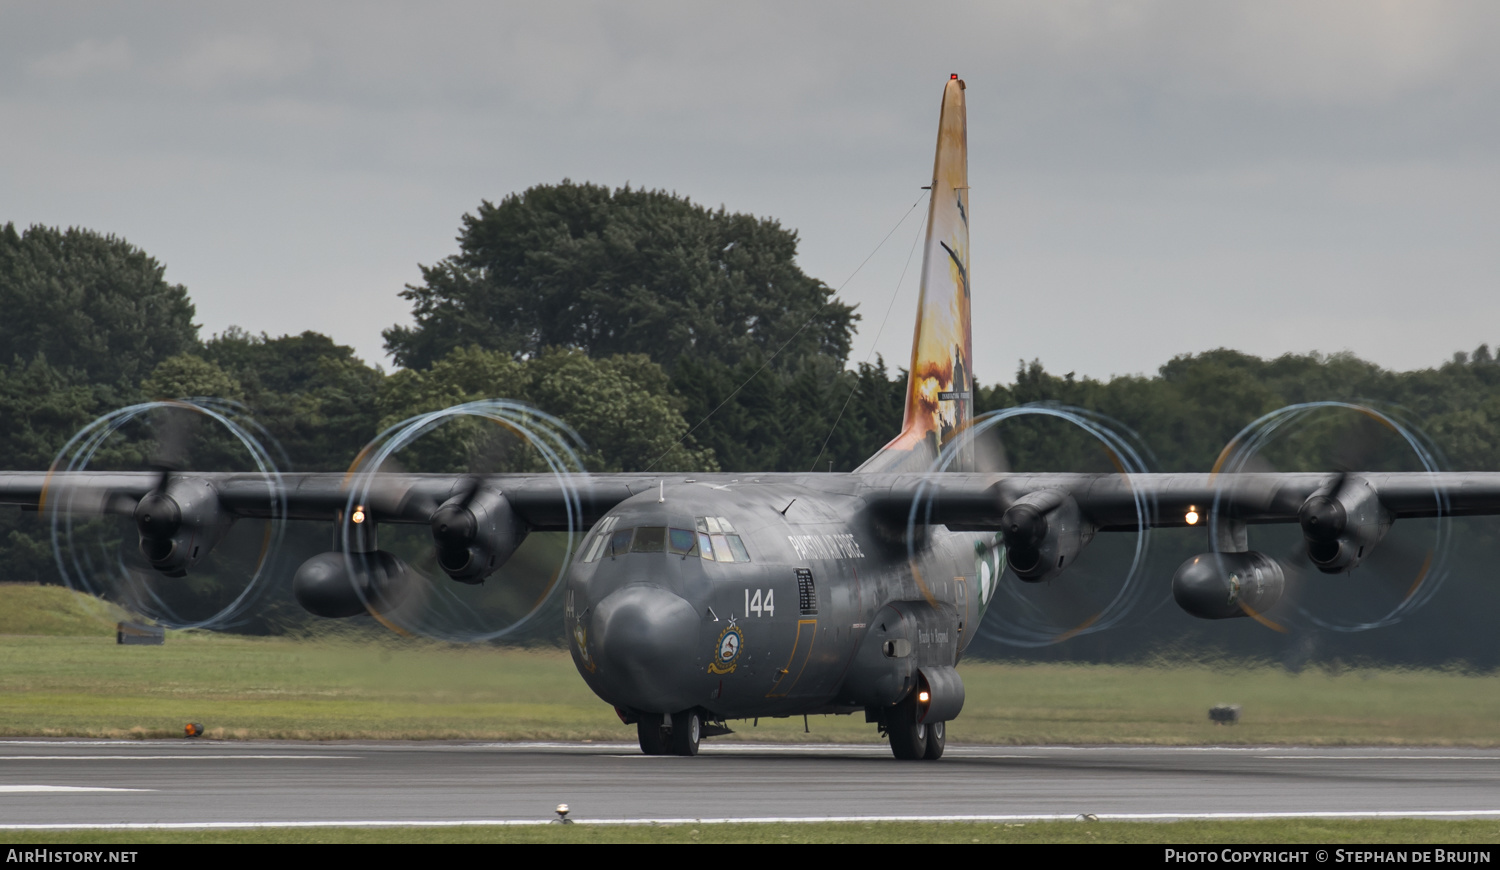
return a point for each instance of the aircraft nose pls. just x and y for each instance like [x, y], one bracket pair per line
[647, 643]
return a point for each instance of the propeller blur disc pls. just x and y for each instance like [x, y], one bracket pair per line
[1107, 584]
[97, 531]
[1341, 440]
[472, 440]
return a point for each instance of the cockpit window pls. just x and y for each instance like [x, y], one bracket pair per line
[649, 539]
[718, 542]
[713, 539]
[682, 542]
[601, 539]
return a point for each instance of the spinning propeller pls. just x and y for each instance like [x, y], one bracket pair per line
[1342, 528]
[177, 523]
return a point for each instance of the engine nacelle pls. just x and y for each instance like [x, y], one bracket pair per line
[337, 585]
[1228, 585]
[1342, 524]
[476, 533]
[1043, 531]
[179, 524]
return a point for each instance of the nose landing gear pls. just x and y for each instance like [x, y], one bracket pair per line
[687, 730]
[678, 735]
[652, 735]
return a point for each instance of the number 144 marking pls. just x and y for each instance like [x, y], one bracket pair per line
[762, 603]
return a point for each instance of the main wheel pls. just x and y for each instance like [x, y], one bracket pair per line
[652, 736]
[937, 738]
[908, 736]
[687, 730]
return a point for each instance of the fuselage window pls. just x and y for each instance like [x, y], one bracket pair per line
[682, 542]
[649, 539]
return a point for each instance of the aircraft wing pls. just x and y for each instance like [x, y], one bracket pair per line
[544, 502]
[961, 501]
[1122, 502]
[1044, 520]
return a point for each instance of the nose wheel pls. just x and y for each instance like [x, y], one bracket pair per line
[652, 735]
[687, 730]
[678, 735]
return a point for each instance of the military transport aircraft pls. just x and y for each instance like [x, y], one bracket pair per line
[694, 600]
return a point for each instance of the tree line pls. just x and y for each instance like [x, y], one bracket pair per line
[670, 337]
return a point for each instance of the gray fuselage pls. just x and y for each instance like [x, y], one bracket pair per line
[818, 607]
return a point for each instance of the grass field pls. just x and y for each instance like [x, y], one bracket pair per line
[63, 675]
[1309, 831]
[303, 689]
[53, 610]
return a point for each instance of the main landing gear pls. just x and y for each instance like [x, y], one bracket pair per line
[678, 735]
[912, 739]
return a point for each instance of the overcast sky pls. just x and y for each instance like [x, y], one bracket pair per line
[1149, 178]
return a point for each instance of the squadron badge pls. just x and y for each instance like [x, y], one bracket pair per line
[731, 640]
[581, 637]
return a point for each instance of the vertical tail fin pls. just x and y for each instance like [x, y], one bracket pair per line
[940, 388]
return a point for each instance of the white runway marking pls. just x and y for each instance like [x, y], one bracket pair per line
[42, 789]
[765, 820]
[1389, 757]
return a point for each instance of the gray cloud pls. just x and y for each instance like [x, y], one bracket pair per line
[1150, 178]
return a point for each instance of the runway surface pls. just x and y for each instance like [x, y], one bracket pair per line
[231, 783]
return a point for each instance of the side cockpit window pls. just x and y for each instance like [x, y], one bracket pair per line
[598, 545]
[718, 541]
[619, 542]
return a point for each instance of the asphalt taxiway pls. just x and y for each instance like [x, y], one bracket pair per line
[87, 783]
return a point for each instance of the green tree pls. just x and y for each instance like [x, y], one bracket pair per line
[620, 406]
[189, 376]
[40, 408]
[313, 395]
[620, 272]
[95, 306]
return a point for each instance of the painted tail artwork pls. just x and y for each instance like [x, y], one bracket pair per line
[940, 388]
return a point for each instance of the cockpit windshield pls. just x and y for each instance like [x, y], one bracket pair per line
[712, 539]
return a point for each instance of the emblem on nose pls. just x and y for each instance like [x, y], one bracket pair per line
[731, 639]
[581, 637]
